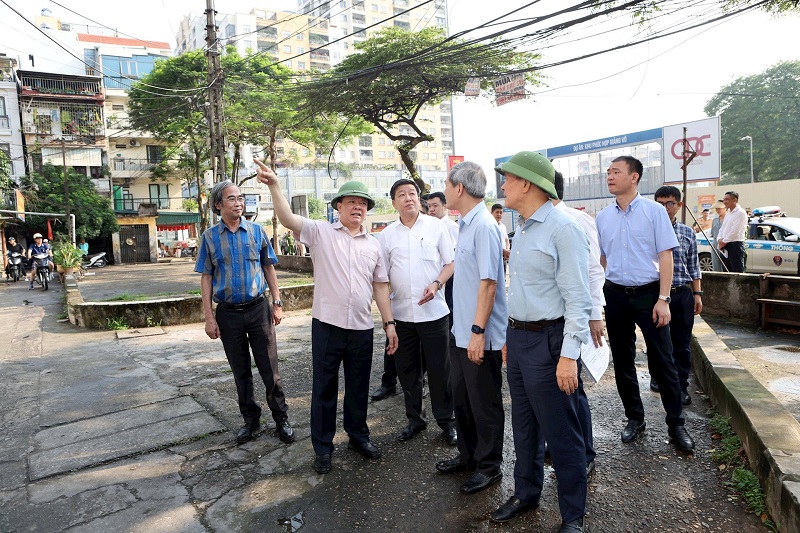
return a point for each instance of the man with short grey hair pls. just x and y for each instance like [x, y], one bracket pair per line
[236, 261]
[479, 324]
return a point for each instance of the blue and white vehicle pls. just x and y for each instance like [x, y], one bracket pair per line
[772, 245]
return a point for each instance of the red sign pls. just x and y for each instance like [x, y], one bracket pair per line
[453, 160]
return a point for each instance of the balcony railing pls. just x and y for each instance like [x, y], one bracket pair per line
[132, 165]
[60, 86]
[129, 203]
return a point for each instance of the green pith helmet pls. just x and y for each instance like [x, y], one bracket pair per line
[353, 188]
[533, 167]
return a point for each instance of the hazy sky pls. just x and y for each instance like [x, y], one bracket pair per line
[651, 85]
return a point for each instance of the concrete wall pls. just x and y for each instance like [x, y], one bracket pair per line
[163, 312]
[296, 263]
[734, 295]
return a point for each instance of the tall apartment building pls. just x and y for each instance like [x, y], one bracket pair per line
[10, 127]
[305, 40]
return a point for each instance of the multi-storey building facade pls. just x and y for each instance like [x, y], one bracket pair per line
[10, 127]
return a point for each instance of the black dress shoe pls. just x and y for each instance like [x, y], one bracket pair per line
[284, 431]
[367, 449]
[654, 385]
[511, 509]
[450, 436]
[247, 431]
[576, 526]
[632, 430]
[451, 466]
[589, 469]
[410, 432]
[382, 393]
[682, 438]
[479, 481]
[685, 398]
[322, 463]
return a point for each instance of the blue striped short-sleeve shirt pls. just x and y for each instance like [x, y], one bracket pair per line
[235, 261]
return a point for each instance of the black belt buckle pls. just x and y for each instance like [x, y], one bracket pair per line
[630, 291]
[244, 306]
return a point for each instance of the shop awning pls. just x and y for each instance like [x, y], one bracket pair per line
[176, 221]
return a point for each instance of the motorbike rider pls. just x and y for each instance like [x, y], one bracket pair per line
[14, 247]
[38, 247]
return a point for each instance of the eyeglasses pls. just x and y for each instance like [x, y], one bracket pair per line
[235, 199]
[669, 204]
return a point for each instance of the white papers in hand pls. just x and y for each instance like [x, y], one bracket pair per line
[595, 359]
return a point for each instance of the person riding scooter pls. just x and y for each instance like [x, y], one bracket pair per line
[14, 248]
[38, 247]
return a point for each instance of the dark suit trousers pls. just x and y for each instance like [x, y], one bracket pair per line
[331, 347]
[623, 313]
[425, 345]
[735, 259]
[541, 411]
[478, 408]
[241, 332]
[680, 328]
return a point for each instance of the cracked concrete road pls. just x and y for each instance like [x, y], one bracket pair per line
[104, 413]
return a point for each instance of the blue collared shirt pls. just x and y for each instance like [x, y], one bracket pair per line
[631, 240]
[549, 270]
[684, 258]
[479, 256]
[235, 261]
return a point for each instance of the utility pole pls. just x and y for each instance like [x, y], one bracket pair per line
[687, 150]
[66, 189]
[215, 117]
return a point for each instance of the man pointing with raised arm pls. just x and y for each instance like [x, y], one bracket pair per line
[348, 270]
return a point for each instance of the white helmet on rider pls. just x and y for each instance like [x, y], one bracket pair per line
[37, 235]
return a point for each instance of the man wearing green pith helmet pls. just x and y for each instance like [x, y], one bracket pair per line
[349, 270]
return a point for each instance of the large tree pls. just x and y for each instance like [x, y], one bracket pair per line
[765, 107]
[396, 73]
[44, 193]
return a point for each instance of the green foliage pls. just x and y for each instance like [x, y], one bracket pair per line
[765, 107]
[116, 323]
[746, 483]
[383, 206]
[189, 205]
[5, 172]
[66, 255]
[743, 481]
[396, 73]
[94, 215]
[316, 208]
[776, 7]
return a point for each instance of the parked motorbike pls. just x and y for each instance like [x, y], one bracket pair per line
[14, 268]
[95, 261]
[42, 264]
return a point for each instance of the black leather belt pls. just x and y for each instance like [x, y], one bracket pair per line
[680, 288]
[538, 325]
[632, 291]
[241, 307]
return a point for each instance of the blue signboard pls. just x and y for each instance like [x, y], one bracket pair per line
[607, 143]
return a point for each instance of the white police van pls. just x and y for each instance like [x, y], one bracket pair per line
[772, 245]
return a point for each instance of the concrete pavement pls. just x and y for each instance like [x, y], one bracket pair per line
[101, 433]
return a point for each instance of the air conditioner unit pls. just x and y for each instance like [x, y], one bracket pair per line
[134, 142]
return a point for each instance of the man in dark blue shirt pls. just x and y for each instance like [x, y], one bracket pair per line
[236, 262]
[38, 247]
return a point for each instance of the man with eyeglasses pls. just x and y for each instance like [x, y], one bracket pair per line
[235, 260]
[685, 292]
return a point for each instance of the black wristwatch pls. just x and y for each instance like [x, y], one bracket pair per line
[277, 303]
[698, 293]
[477, 329]
[389, 323]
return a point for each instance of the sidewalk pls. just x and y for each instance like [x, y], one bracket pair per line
[135, 433]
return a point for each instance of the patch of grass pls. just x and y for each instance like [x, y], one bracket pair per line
[152, 323]
[126, 297]
[194, 292]
[62, 316]
[116, 323]
[746, 483]
[296, 282]
[743, 481]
